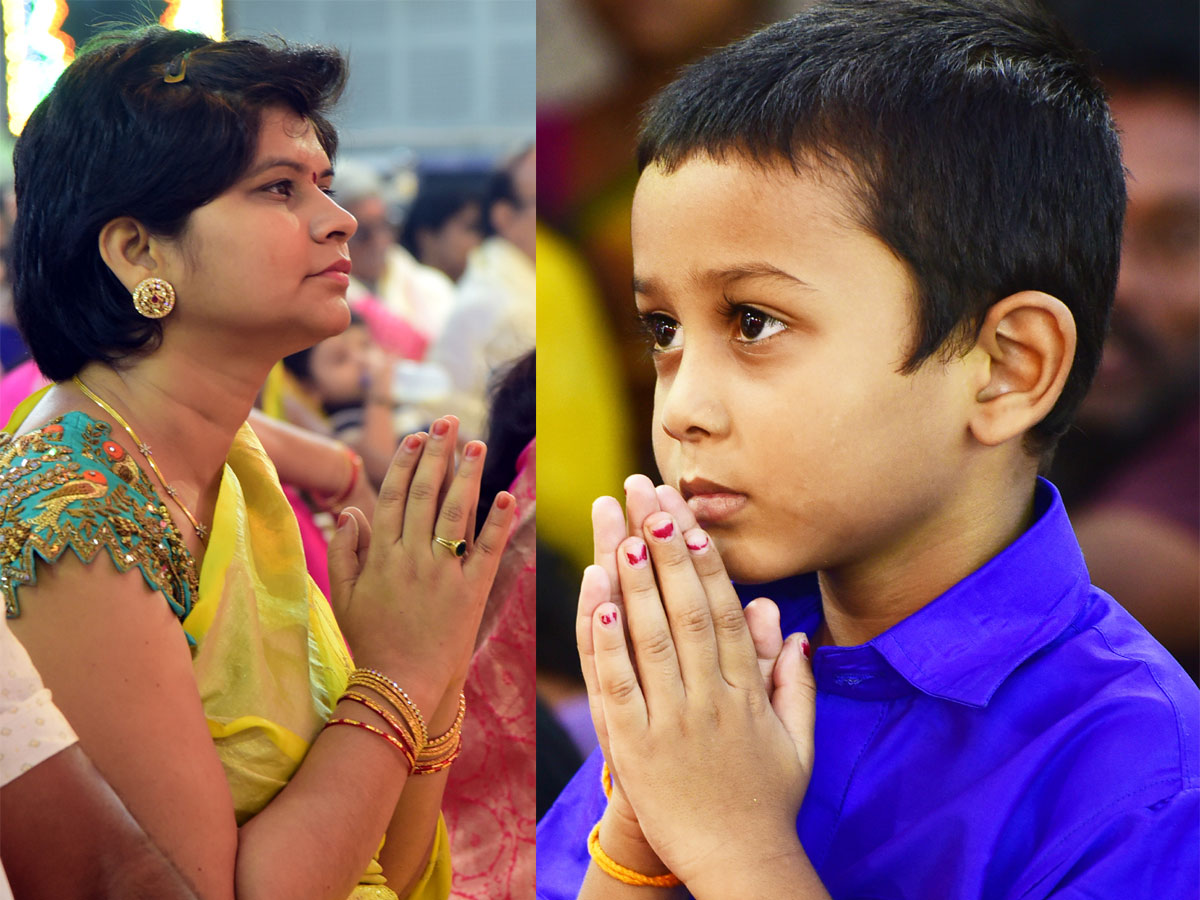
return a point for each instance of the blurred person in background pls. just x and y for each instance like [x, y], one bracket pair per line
[490, 797]
[393, 292]
[444, 224]
[1130, 470]
[494, 319]
[588, 171]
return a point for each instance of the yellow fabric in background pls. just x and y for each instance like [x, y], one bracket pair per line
[582, 410]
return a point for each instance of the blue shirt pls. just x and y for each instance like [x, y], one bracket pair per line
[1021, 736]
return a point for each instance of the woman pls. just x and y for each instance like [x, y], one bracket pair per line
[195, 177]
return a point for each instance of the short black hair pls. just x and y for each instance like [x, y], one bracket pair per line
[114, 139]
[501, 187]
[973, 136]
[439, 198]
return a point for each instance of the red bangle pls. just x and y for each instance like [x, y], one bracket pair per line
[356, 465]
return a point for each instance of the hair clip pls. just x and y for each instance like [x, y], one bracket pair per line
[176, 69]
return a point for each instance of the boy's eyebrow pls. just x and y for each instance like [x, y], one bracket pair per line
[287, 164]
[649, 286]
[754, 270]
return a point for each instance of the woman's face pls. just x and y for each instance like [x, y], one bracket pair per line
[780, 410]
[262, 269]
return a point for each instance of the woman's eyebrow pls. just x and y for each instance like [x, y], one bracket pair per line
[287, 164]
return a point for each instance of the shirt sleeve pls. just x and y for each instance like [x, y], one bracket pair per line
[562, 854]
[1152, 851]
[31, 727]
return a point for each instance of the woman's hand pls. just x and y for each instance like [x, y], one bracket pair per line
[601, 584]
[407, 605]
[713, 767]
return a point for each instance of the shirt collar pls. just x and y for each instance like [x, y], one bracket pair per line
[963, 644]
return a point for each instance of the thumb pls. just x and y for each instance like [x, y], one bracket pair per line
[343, 559]
[762, 620]
[795, 697]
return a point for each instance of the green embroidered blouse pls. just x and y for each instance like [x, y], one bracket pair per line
[69, 484]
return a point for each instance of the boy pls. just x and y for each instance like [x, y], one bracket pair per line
[875, 247]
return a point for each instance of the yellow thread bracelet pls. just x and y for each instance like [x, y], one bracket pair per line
[614, 869]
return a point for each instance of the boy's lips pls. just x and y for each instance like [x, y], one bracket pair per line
[710, 501]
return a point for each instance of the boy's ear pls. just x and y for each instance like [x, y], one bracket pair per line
[1028, 342]
[130, 251]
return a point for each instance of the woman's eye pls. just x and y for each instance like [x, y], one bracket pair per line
[755, 325]
[282, 188]
[665, 331]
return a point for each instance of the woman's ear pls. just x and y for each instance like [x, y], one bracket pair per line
[1029, 342]
[127, 248]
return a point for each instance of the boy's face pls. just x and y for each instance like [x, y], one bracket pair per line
[779, 409]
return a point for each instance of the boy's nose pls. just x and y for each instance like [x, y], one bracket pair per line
[692, 406]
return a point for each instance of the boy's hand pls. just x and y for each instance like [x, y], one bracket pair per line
[713, 766]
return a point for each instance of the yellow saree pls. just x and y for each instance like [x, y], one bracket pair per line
[269, 665]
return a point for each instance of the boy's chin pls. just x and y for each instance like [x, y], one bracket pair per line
[755, 565]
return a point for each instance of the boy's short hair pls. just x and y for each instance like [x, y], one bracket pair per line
[972, 134]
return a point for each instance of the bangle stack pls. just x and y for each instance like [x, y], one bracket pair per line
[610, 866]
[410, 735]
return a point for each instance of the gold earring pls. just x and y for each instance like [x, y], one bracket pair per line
[153, 298]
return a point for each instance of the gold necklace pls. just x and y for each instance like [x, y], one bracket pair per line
[144, 449]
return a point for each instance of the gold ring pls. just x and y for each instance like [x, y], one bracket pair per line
[458, 548]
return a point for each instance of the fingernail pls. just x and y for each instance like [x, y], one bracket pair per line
[664, 531]
[343, 518]
[439, 428]
[805, 648]
[609, 618]
[504, 501]
[637, 557]
[473, 450]
[412, 442]
[696, 540]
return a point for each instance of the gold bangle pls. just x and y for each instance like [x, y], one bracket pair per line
[614, 869]
[452, 733]
[395, 695]
[402, 732]
[383, 734]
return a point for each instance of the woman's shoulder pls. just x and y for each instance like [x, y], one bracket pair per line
[70, 485]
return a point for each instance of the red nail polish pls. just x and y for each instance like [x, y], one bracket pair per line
[806, 649]
[664, 531]
[412, 442]
[698, 545]
[473, 451]
[640, 557]
[440, 427]
[606, 619]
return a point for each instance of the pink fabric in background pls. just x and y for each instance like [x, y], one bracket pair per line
[389, 331]
[313, 539]
[16, 384]
[490, 801]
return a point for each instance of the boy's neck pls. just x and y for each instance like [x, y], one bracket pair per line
[865, 599]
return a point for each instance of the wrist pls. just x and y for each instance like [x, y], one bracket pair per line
[775, 869]
[622, 838]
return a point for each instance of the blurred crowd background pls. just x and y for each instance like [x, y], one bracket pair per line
[437, 162]
[440, 164]
[1130, 468]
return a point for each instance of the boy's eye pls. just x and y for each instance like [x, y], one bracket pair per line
[665, 331]
[755, 325]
